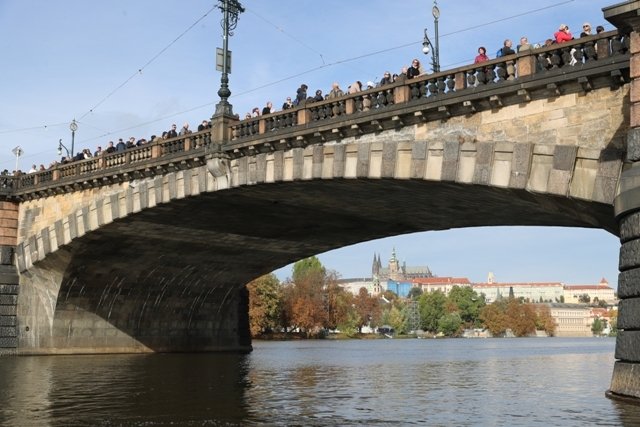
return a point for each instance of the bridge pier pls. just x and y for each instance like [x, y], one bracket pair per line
[625, 382]
[9, 278]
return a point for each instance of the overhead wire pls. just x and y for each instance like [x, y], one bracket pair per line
[254, 89]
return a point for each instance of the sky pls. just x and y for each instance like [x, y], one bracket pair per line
[126, 68]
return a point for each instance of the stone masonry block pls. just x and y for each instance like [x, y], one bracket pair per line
[8, 331]
[261, 168]
[8, 321]
[626, 379]
[564, 157]
[634, 91]
[634, 44]
[362, 166]
[243, 170]
[630, 226]
[278, 166]
[6, 254]
[451, 151]
[559, 182]
[418, 159]
[634, 119]
[388, 165]
[633, 145]
[629, 313]
[298, 163]
[629, 255]
[8, 310]
[317, 161]
[484, 161]
[628, 346]
[634, 65]
[8, 342]
[339, 160]
[186, 182]
[629, 283]
[8, 299]
[9, 289]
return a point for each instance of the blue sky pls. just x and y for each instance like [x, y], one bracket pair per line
[131, 68]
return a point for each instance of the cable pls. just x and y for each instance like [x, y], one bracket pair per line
[149, 62]
[287, 34]
[324, 65]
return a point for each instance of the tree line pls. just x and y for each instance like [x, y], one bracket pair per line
[312, 303]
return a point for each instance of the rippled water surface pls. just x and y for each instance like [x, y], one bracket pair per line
[465, 382]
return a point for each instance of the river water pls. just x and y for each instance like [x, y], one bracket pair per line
[454, 382]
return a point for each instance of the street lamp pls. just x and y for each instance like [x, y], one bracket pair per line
[427, 46]
[17, 151]
[60, 147]
[231, 9]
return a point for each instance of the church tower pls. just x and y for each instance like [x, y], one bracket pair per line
[394, 267]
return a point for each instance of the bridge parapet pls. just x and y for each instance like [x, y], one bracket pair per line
[602, 61]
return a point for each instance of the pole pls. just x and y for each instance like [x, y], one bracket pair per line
[436, 56]
[73, 138]
[230, 11]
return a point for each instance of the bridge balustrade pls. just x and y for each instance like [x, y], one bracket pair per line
[523, 66]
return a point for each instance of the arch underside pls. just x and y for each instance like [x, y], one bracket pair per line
[171, 278]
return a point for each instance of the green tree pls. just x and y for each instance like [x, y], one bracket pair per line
[414, 293]
[397, 320]
[450, 324]
[338, 305]
[597, 326]
[265, 303]
[468, 303]
[307, 301]
[350, 324]
[432, 308]
[544, 321]
[494, 317]
[308, 269]
[521, 318]
[367, 308]
[584, 298]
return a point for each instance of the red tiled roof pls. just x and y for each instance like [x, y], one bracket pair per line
[440, 280]
[586, 287]
[517, 285]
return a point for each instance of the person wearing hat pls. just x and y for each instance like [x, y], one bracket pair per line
[586, 30]
[563, 35]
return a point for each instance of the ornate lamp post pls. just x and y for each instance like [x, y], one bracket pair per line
[426, 43]
[74, 127]
[60, 147]
[231, 9]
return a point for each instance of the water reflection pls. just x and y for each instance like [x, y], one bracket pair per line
[404, 382]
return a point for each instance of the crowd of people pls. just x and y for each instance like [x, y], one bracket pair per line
[303, 97]
[563, 35]
[415, 69]
[114, 147]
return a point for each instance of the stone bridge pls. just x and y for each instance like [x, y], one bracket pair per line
[150, 249]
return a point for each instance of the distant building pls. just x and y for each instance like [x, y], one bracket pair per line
[602, 291]
[572, 320]
[397, 272]
[354, 285]
[442, 284]
[400, 288]
[529, 291]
